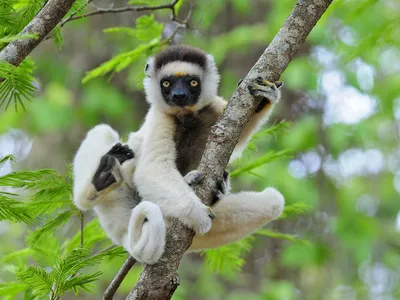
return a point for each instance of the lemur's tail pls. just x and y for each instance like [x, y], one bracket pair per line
[146, 233]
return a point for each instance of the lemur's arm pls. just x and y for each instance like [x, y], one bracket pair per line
[268, 93]
[158, 179]
[96, 173]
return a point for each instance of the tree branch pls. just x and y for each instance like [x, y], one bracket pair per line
[160, 281]
[41, 25]
[116, 282]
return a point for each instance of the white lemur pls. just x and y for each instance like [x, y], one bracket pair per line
[181, 86]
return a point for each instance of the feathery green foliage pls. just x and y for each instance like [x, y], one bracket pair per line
[148, 31]
[18, 83]
[228, 260]
[265, 159]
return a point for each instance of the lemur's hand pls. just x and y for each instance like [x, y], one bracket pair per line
[268, 91]
[122, 153]
[193, 177]
[108, 171]
[222, 188]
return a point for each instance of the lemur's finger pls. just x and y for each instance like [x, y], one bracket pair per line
[226, 174]
[278, 84]
[265, 82]
[110, 180]
[115, 148]
[239, 82]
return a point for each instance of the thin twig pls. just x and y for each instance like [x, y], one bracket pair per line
[82, 225]
[73, 14]
[101, 11]
[116, 282]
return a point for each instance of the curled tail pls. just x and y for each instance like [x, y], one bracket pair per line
[145, 240]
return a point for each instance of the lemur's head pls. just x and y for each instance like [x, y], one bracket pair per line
[181, 79]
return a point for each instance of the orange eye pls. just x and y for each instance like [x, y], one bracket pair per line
[166, 83]
[194, 83]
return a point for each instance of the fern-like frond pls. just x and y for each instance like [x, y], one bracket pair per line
[50, 190]
[93, 234]
[228, 260]
[11, 38]
[26, 12]
[123, 60]
[50, 226]
[37, 278]
[18, 83]
[14, 211]
[263, 160]
[80, 281]
[278, 235]
[5, 159]
[11, 289]
[295, 209]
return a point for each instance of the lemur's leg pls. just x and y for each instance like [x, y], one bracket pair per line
[96, 167]
[145, 239]
[239, 215]
[268, 94]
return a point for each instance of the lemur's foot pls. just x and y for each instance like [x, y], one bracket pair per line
[198, 217]
[269, 91]
[105, 174]
[122, 153]
[193, 177]
[104, 177]
[220, 191]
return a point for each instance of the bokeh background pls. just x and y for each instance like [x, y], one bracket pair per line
[341, 103]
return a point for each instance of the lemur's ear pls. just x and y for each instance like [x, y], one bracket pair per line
[146, 69]
[149, 68]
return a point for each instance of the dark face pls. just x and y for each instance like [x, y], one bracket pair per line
[181, 90]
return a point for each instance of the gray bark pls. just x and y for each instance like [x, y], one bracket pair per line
[159, 281]
[42, 24]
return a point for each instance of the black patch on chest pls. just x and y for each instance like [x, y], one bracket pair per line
[192, 131]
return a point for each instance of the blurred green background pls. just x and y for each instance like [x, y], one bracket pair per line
[341, 97]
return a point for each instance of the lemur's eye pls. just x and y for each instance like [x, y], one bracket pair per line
[194, 83]
[166, 83]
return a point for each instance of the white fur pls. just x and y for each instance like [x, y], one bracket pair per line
[156, 176]
[125, 226]
[159, 181]
[239, 215]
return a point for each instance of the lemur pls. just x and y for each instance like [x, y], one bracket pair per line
[181, 87]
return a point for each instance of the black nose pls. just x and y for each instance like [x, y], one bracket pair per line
[179, 96]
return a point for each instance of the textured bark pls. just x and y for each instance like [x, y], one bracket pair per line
[42, 24]
[159, 281]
